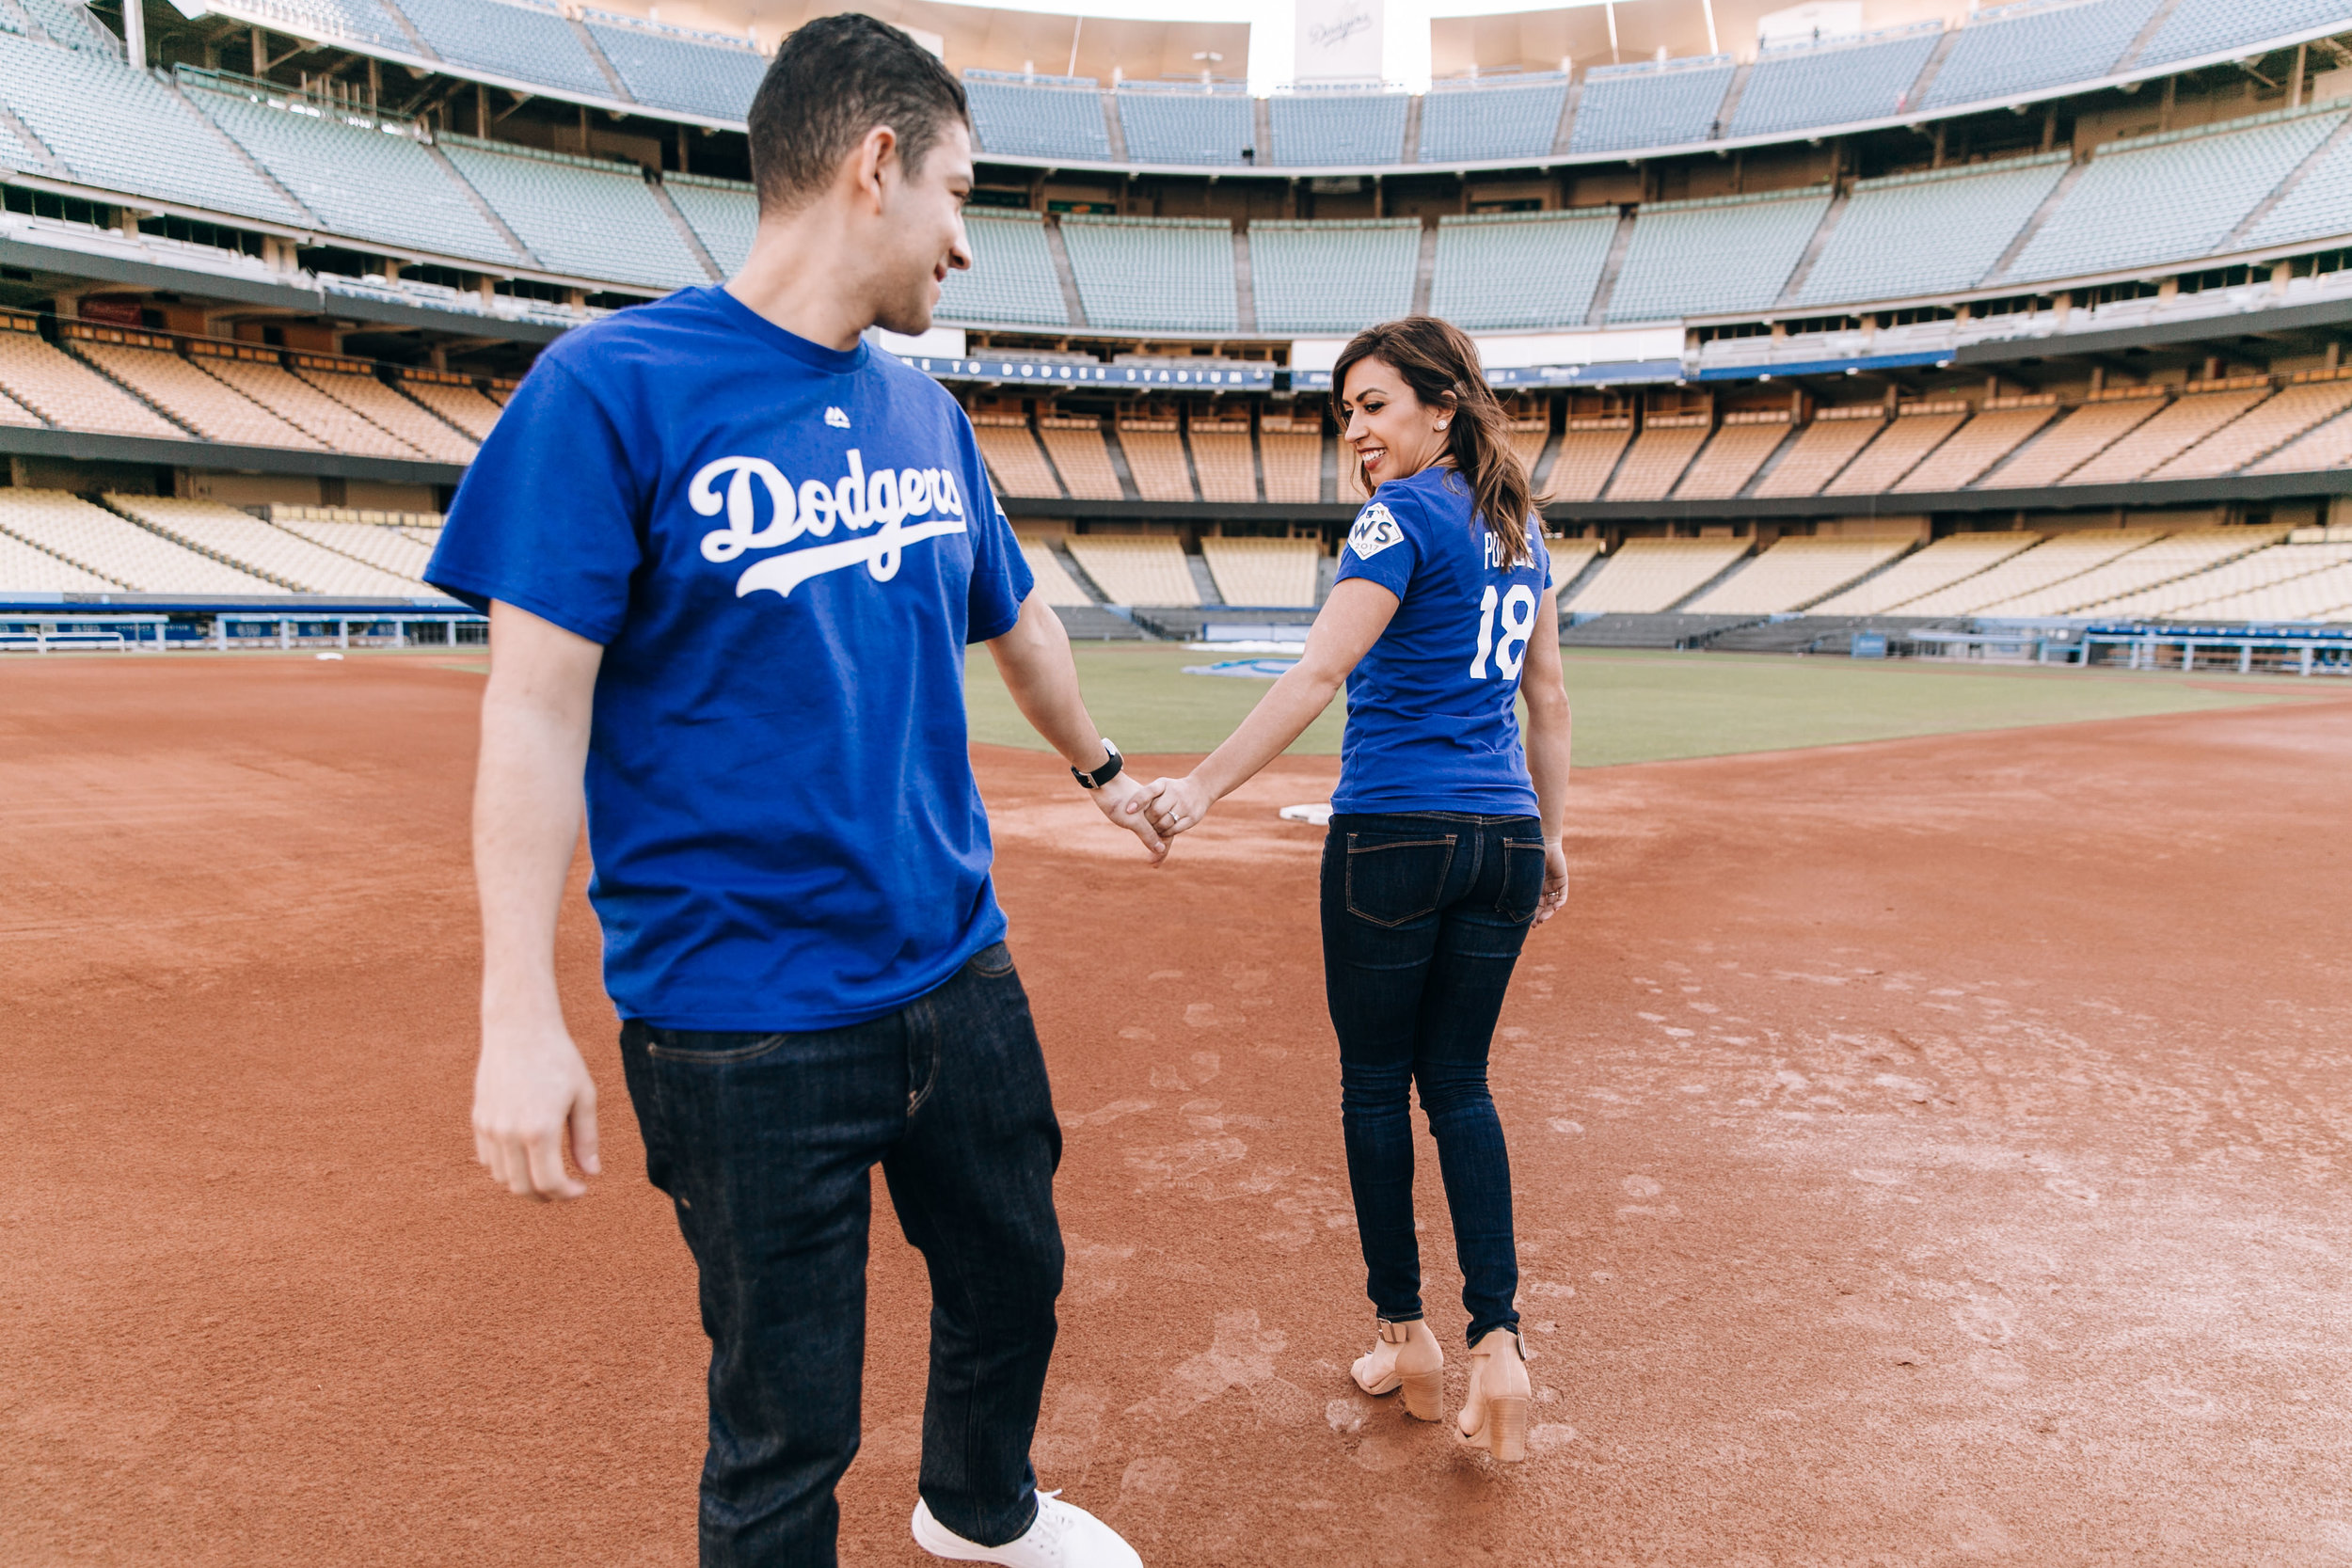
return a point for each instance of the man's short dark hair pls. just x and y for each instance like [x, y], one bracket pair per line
[835, 79]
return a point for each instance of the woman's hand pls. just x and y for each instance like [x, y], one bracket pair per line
[1179, 805]
[1555, 880]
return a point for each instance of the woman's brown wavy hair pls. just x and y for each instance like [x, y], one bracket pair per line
[1439, 363]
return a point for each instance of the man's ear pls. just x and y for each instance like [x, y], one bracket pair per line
[877, 162]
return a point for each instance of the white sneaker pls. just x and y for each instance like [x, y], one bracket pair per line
[1063, 1535]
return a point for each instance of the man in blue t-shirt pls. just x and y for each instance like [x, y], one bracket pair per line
[732, 557]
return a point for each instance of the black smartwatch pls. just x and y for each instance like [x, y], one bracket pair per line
[1102, 775]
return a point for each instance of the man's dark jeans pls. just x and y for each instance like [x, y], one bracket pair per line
[764, 1144]
[1424, 916]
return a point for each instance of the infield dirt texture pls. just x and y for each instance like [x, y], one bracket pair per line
[1928, 1151]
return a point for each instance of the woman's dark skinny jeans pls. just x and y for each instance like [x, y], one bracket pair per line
[1424, 916]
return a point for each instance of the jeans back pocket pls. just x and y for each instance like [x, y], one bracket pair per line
[1523, 880]
[1394, 878]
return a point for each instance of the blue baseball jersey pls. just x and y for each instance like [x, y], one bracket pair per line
[1432, 723]
[784, 549]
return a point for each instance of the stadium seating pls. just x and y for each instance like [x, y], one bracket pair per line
[1136, 571]
[25, 569]
[465, 406]
[2168, 434]
[15, 413]
[1528, 439]
[1898, 447]
[1570, 557]
[2265, 429]
[2199, 27]
[361, 182]
[2246, 575]
[2074, 440]
[385, 408]
[1928, 233]
[147, 365]
[97, 541]
[1646, 577]
[1951, 560]
[2167, 197]
[1054, 585]
[1993, 434]
[121, 130]
[1519, 269]
[388, 549]
[1290, 448]
[596, 220]
[1154, 449]
[1822, 449]
[1723, 470]
[2179, 556]
[1183, 124]
[724, 215]
[524, 40]
[1221, 460]
[1011, 278]
[1166, 273]
[1042, 117]
[245, 542]
[1265, 574]
[1794, 573]
[2026, 48]
[2030, 571]
[1466, 122]
[2322, 595]
[1326, 130]
[1076, 448]
[299, 403]
[1332, 276]
[362, 21]
[1589, 450]
[1669, 104]
[68, 393]
[2314, 208]
[2325, 446]
[1720, 254]
[1833, 81]
[1014, 462]
[1659, 455]
[73, 26]
[670, 68]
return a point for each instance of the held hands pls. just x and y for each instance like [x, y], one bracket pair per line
[531, 1097]
[1126, 801]
[1555, 881]
[1179, 805]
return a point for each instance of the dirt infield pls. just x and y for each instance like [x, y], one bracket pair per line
[1927, 1153]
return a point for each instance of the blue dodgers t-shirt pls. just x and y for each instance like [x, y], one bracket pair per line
[784, 548]
[1431, 721]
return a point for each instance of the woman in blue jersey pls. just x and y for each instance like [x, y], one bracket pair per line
[1444, 845]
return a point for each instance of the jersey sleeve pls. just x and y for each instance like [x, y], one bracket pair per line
[546, 518]
[1001, 579]
[1380, 548]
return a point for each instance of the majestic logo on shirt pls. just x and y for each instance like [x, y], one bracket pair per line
[1375, 529]
[857, 501]
[836, 419]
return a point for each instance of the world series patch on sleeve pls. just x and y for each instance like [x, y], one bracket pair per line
[1375, 529]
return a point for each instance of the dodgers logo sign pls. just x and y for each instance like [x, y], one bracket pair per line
[1375, 529]
[856, 503]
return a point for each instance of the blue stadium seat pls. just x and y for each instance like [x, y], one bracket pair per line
[72, 25]
[525, 41]
[1723, 254]
[1325, 130]
[1509, 117]
[670, 68]
[1513, 270]
[721, 213]
[1040, 117]
[1011, 278]
[2315, 208]
[591, 220]
[1178, 122]
[1666, 104]
[1835, 82]
[1333, 277]
[362, 21]
[2026, 48]
[2210, 27]
[1913, 235]
[1167, 274]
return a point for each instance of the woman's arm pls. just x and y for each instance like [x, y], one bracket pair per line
[1350, 622]
[1548, 725]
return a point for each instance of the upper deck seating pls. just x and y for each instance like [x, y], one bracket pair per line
[72, 24]
[1928, 233]
[464, 407]
[1500, 117]
[1795, 572]
[2322, 595]
[2030, 571]
[2074, 440]
[386, 548]
[2167, 197]
[121, 130]
[2180, 556]
[1221, 460]
[1011, 276]
[1039, 117]
[2168, 434]
[2247, 574]
[1660, 453]
[25, 569]
[1076, 448]
[360, 182]
[1129, 570]
[523, 40]
[1723, 470]
[149, 367]
[1290, 450]
[96, 540]
[724, 215]
[1589, 450]
[1153, 272]
[2325, 445]
[1822, 449]
[247, 543]
[1332, 276]
[1154, 449]
[15, 413]
[1669, 104]
[1327, 130]
[2314, 207]
[576, 217]
[360, 21]
[2025, 48]
[1507, 270]
[71, 395]
[2197, 28]
[1528, 439]
[1014, 462]
[1983, 441]
[1054, 585]
[1646, 577]
[674, 68]
[1182, 123]
[1265, 574]
[2265, 429]
[1723, 253]
[301, 405]
[388, 410]
[1901, 445]
[1949, 560]
[1833, 81]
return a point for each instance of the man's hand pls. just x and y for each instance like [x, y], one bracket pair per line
[531, 1095]
[1555, 881]
[1125, 800]
[1179, 805]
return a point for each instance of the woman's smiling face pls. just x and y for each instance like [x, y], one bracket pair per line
[1395, 434]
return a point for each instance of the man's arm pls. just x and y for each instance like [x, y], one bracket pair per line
[1034, 659]
[530, 1088]
[1547, 727]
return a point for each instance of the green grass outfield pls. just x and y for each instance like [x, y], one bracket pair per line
[1650, 706]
